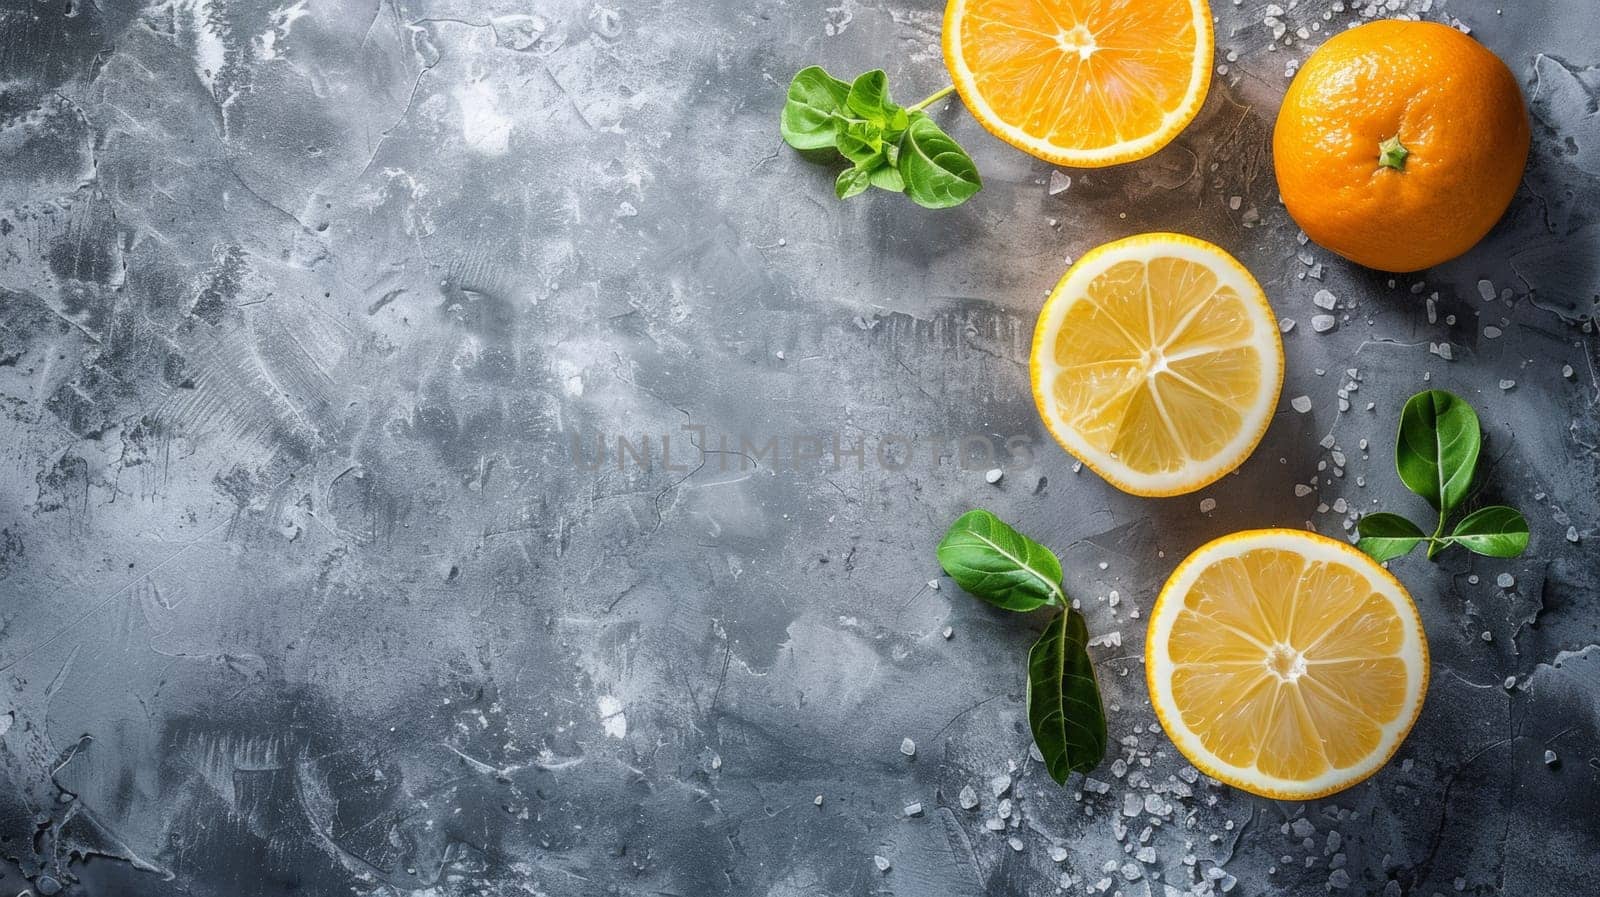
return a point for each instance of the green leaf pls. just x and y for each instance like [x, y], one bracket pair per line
[868, 99]
[851, 182]
[1388, 536]
[1000, 565]
[1496, 531]
[861, 142]
[937, 171]
[815, 101]
[1436, 452]
[888, 178]
[1064, 711]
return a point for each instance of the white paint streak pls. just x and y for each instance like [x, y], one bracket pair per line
[483, 126]
[612, 717]
[283, 20]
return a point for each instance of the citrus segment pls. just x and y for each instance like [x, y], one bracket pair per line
[1157, 362]
[1285, 663]
[1081, 82]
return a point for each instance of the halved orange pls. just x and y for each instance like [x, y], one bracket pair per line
[1285, 663]
[1086, 83]
[1157, 362]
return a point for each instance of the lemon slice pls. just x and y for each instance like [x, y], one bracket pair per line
[1285, 663]
[1081, 82]
[1157, 362]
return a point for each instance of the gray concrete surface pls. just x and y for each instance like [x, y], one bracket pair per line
[302, 305]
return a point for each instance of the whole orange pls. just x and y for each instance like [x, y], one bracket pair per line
[1400, 144]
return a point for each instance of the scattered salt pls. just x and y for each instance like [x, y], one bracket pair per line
[1301, 404]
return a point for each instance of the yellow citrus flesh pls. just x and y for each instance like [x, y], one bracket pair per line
[1081, 82]
[1285, 663]
[1157, 362]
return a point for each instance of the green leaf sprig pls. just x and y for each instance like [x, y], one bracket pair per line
[890, 147]
[1009, 570]
[1436, 454]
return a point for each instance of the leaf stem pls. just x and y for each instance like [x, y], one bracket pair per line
[936, 97]
[1437, 542]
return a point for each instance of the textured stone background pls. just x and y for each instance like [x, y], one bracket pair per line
[301, 306]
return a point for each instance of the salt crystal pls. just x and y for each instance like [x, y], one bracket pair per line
[818, 801]
[1059, 182]
[1492, 332]
[1114, 598]
[995, 825]
[1131, 804]
[1132, 872]
[1145, 855]
[1004, 810]
[1339, 879]
[1302, 828]
[1207, 505]
[1285, 325]
[1016, 844]
[1058, 854]
[999, 785]
[1323, 323]
[1486, 290]
[881, 862]
[1507, 384]
[968, 798]
[1505, 580]
[1325, 299]
[949, 632]
[1572, 534]
[908, 747]
[1566, 371]
[1301, 490]
[1550, 758]
[914, 809]
[1301, 404]
[1510, 683]
[994, 475]
[933, 584]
